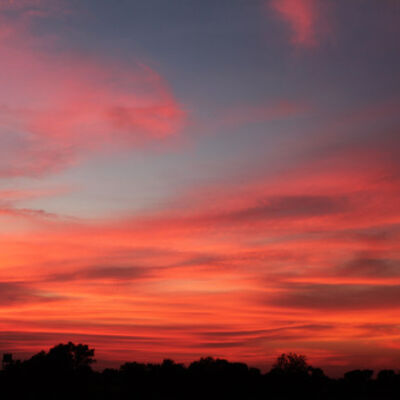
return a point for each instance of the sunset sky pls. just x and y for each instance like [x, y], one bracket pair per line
[187, 178]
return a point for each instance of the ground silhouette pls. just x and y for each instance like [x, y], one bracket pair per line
[65, 372]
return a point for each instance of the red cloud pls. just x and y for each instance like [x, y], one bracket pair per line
[267, 262]
[302, 16]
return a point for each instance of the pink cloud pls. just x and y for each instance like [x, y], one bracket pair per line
[301, 16]
[57, 107]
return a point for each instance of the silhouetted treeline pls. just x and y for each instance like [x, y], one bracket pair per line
[65, 372]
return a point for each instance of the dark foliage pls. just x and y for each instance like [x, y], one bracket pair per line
[65, 372]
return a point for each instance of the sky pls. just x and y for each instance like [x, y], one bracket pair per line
[181, 179]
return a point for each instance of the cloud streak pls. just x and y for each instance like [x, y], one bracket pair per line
[338, 297]
[13, 294]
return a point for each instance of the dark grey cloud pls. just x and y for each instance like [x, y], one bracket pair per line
[100, 273]
[288, 207]
[377, 329]
[116, 273]
[251, 338]
[15, 293]
[370, 267]
[297, 330]
[336, 297]
[19, 339]
[202, 259]
[221, 344]
[9, 210]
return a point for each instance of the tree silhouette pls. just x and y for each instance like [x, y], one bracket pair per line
[64, 372]
[71, 356]
[8, 360]
[291, 364]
